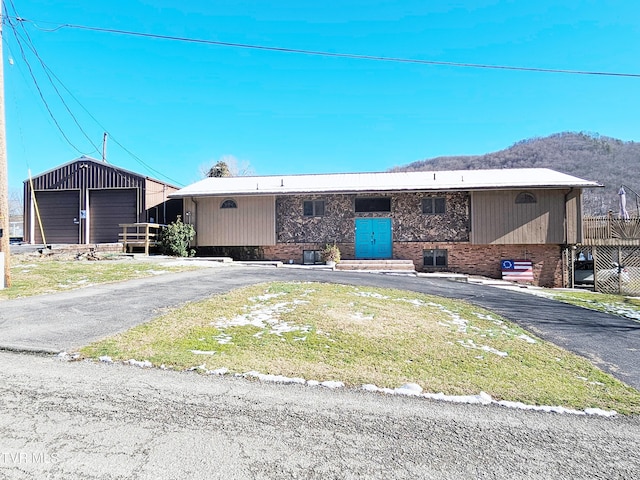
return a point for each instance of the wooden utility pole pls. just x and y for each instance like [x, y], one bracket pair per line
[4, 178]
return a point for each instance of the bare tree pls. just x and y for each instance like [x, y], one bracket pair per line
[16, 204]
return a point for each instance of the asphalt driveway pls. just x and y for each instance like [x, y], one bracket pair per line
[66, 321]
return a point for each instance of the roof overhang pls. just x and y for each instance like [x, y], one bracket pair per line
[385, 182]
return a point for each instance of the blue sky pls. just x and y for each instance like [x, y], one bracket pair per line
[180, 107]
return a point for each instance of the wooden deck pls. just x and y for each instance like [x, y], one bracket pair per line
[143, 235]
[608, 230]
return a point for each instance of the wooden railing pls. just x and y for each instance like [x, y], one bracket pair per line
[607, 229]
[140, 235]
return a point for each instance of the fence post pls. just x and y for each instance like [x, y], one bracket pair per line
[594, 254]
[619, 271]
[146, 239]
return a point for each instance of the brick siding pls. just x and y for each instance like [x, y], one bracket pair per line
[463, 257]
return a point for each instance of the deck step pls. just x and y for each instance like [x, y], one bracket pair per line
[391, 265]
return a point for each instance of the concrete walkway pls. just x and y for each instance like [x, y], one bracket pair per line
[66, 321]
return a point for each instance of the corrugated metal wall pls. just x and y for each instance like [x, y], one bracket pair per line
[251, 224]
[87, 175]
[497, 219]
[156, 192]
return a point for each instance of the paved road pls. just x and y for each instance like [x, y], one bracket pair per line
[68, 320]
[85, 420]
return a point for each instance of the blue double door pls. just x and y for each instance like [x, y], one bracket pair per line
[373, 238]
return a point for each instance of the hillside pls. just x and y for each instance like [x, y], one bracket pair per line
[608, 161]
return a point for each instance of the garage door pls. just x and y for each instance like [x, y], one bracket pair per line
[107, 209]
[60, 215]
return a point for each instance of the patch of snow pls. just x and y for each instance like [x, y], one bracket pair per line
[223, 339]
[266, 296]
[602, 413]
[67, 357]
[485, 399]
[372, 295]
[157, 272]
[585, 379]
[472, 345]
[539, 408]
[105, 359]
[203, 352]
[265, 316]
[202, 367]
[313, 383]
[481, 398]
[527, 338]
[415, 301]
[265, 377]
[409, 389]
[332, 384]
[143, 364]
[219, 371]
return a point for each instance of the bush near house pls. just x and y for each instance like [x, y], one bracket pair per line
[175, 239]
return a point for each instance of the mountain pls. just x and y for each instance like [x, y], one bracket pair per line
[608, 161]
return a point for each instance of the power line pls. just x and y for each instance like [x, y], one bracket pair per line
[50, 74]
[32, 47]
[129, 152]
[46, 104]
[75, 120]
[325, 53]
[134, 156]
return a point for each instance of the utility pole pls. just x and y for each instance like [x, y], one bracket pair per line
[4, 179]
[104, 147]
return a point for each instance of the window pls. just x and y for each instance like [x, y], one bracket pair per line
[373, 204]
[526, 197]
[229, 204]
[434, 258]
[313, 208]
[311, 257]
[433, 205]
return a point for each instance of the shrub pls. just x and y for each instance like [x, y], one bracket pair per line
[175, 238]
[331, 253]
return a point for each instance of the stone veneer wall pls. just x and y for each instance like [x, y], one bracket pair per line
[462, 257]
[338, 223]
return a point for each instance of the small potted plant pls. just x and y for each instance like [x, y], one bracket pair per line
[331, 255]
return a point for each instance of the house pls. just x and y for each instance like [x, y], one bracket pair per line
[460, 221]
[84, 201]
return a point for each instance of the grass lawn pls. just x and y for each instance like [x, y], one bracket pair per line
[361, 335]
[614, 304]
[33, 275]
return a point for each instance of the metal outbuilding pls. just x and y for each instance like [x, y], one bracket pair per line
[84, 201]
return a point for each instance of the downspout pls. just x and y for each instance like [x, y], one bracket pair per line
[194, 221]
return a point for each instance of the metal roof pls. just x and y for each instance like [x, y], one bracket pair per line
[520, 178]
